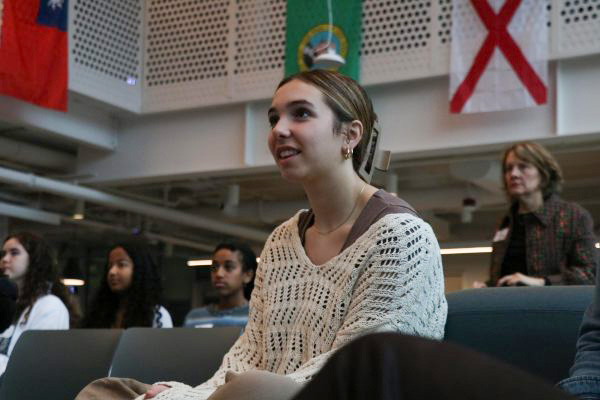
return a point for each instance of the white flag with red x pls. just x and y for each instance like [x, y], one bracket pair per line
[499, 55]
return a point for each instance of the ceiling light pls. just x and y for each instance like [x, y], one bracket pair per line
[467, 250]
[72, 275]
[206, 263]
[73, 282]
[79, 213]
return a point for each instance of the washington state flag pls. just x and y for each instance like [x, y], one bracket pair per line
[308, 34]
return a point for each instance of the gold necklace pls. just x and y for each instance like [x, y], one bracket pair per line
[345, 220]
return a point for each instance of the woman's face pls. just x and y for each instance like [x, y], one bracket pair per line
[521, 177]
[120, 270]
[301, 140]
[15, 260]
[226, 274]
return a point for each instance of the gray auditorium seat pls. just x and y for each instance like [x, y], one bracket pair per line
[534, 328]
[188, 355]
[57, 364]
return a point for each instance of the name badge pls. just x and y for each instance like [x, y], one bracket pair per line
[500, 235]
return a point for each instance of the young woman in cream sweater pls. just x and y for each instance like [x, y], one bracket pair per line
[359, 261]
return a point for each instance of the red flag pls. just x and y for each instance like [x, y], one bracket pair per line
[33, 51]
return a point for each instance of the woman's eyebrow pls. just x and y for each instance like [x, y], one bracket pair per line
[294, 103]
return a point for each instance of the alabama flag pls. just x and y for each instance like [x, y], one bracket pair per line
[499, 55]
[33, 51]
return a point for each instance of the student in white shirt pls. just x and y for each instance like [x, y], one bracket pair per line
[43, 300]
[130, 293]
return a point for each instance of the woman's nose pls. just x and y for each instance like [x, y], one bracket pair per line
[281, 129]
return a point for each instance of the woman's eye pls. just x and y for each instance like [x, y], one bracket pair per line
[273, 120]
[301, 113]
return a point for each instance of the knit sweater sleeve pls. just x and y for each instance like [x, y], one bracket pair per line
[400, 287]
[244, 355]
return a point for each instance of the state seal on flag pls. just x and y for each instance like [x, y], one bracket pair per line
[316, 41]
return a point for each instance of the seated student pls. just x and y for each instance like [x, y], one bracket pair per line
[130, 293]
[543, 240]
[584, 381]
[358, 261]
[43, 301]
[232, 275]
[8, 296]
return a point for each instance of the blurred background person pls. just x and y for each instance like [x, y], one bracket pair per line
[232, 275]
[543, 240]
[43, 301]
[8, 298]
[130, 292]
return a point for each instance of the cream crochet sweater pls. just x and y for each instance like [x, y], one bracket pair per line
[390, 279]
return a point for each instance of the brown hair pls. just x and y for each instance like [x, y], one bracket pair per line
[41, 277]
[348, 101]
[540, 157]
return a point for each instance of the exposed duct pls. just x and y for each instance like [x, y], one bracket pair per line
[30, 214]
[96, 196]
[28, 154]
[152, 236]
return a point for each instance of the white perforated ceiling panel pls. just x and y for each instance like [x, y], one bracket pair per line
[258, 47]
[106, 36]
[395, 40]
[105, 44]
[209, 52]
[186, 63]
[579, 27]
[186, 41]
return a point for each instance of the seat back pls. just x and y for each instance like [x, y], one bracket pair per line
[57, 364]
[534, 328]
[186, 355]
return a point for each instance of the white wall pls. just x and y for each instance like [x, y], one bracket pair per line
[414, 119]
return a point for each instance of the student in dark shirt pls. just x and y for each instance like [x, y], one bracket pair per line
[8, 296]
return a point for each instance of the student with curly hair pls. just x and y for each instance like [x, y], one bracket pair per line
[130, 293]
[43, 301]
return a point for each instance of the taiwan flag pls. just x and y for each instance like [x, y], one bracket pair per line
[33, 51]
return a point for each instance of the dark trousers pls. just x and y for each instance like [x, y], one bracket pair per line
[394, 366]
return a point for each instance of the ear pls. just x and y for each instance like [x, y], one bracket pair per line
[354, 133]
[247, 276]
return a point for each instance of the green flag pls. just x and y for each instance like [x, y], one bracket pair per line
[307, 34]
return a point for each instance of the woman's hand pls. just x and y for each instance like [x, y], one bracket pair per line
[516, 278]
[479, 285]
[155, 390]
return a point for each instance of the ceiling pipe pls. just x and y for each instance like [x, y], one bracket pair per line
[30, 214]
[31, 155]
[96, 196]
[151, 236]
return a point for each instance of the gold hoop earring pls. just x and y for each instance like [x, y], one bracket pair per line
[348, 153]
